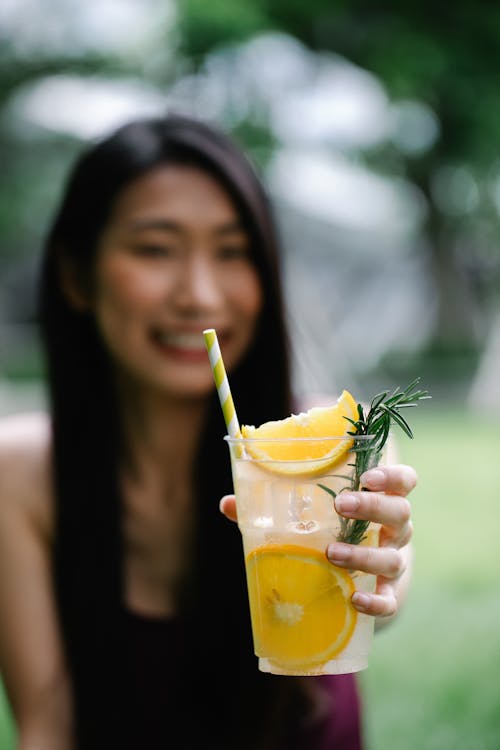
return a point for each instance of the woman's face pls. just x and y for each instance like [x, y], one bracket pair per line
[173, 260]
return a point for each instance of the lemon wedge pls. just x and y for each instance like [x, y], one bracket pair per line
[324, 438]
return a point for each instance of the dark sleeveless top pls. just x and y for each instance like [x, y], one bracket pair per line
[154, 649]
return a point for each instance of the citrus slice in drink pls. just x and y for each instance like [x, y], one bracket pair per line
[324, 433]
[300, 604]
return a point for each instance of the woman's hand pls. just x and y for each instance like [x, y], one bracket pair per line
[227, 506]
[385, 502]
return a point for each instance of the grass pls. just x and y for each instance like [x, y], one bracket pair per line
[7, 733]
[433, 681]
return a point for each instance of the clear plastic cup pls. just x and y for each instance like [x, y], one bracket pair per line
[303, 621]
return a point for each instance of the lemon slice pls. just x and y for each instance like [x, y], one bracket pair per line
[300, 605]
[326, 428]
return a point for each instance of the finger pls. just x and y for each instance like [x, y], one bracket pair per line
[396, 536]
[379, 561]
[397, 479]
[388, 510]
[227, 506]
[382, 603]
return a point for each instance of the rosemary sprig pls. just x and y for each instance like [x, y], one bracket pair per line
[384, 412]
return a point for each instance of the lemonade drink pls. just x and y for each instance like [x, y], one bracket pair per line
[286, 475]
[303, 621]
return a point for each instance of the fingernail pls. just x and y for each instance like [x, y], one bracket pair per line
[361, 601]
[338, 553]
[374, 479]
[346, 503]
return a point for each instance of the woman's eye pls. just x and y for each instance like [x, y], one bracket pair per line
[149, 250]
[233, 252]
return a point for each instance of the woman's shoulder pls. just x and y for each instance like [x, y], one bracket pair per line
[24, 436]
[25, 471]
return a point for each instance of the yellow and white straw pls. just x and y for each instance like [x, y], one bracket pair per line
[222, 383]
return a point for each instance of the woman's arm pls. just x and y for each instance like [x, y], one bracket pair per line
[31, 655]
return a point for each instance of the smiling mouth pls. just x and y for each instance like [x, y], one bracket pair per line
[181, 341]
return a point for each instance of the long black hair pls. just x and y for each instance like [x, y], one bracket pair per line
[88, 556]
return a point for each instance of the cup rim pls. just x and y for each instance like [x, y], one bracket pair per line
[330, 438]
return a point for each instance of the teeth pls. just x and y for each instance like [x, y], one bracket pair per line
[180, 340]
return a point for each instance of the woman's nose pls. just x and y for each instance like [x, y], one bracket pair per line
[198, 283]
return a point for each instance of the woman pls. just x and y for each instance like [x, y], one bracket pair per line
[123, 609]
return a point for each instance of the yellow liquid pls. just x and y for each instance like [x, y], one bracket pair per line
[303, 621]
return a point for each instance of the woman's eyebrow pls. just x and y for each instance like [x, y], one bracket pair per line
[233, 227]
[168, 225]
[165, 225]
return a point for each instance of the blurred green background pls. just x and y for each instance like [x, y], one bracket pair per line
[433, 681]
[377, 132]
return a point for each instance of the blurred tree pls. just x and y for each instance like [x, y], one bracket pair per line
[120, 40]
[44, 42]
[444, 55]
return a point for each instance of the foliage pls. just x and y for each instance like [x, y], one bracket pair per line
[445, 56]
[205, 26]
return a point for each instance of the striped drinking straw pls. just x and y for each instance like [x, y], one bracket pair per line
[222, 383]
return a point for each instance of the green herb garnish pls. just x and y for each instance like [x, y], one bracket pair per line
[375, 424]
